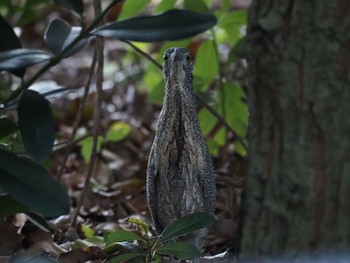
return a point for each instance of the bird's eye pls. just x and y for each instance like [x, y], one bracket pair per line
[188, 57]
[165, 57]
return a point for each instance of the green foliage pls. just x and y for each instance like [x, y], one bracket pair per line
[118, 131]
[120, 245]
[207, 63]
[31, 185]
[35, 123]
[129, 8]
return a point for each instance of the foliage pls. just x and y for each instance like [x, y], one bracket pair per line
[123, 245]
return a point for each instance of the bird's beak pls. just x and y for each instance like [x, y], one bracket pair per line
[175, 57]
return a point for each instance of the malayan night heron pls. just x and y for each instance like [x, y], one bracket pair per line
[180, 175]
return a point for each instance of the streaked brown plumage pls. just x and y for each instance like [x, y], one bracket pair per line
[180, 176]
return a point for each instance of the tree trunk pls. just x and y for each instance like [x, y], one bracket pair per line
[297, 194]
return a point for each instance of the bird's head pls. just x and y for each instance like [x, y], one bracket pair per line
[177, 65]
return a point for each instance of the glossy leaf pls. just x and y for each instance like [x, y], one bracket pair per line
[171, 25]
[36, 125]
[8, 41]
[22, 58]
[59, 35]
[31, 185]
[131, 9]
[122, 235]
[186, 225]
[75, 5]
[181, 250]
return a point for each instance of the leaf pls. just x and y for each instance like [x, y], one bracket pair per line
[233, 23]
[31, 185]
[233, 109]
[165, 5]
[7, 127]
[186, 225]
[122, 235]
[123, 257]
[196, 5]
[207, 63]
[118, 131]
[171, 25]
[38, 220]
[87, 231]
[22, 58]
[131, 9]
[10, 206]
[8, 41]
[59, 35]
[87, 147]
[181, 250]
[36, 125]
[142, 225]
[75, 5]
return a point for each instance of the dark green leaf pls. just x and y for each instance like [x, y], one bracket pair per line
[7, 127]
[31, 185]
[122, 235]
[122, 245]
[8, 41]
[59, 35]
[35, 123]
[171, 25]
[38, 220]
[181, 250]
[186, 225]
[75, 5]
[22, 58]
[10, 206]
[123, 257]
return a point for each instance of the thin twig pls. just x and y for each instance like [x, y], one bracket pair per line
[97, 117]
[69, 144]
[144, 54]
[202, 101]
[78, 116]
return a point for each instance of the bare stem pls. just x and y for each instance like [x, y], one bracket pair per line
[97, 116]
[78, 116]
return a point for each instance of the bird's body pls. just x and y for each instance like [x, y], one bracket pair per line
[180, 176]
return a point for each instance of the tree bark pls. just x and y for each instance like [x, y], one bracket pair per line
[297, 194]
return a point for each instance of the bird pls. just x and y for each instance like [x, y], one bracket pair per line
[180, 172]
